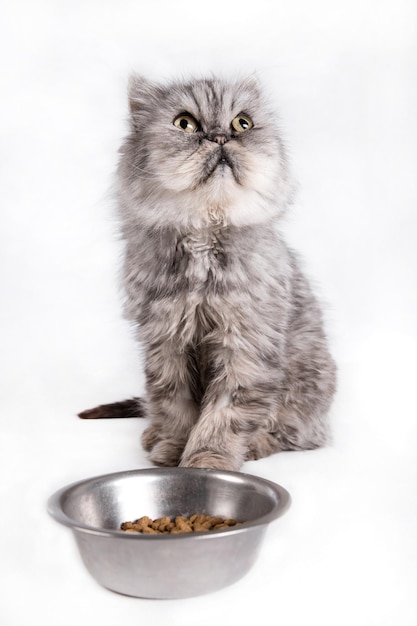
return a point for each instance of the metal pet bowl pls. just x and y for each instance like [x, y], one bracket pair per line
[167, 565]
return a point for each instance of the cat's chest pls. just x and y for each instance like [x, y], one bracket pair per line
[202, 257]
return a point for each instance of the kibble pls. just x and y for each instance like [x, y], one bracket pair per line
[178, 525]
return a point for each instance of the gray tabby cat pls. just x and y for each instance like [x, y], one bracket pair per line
[237, 365]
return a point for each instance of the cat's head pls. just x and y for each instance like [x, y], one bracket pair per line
[202, 152]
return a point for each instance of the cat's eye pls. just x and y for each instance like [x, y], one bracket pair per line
[186, 122]
[241, 123]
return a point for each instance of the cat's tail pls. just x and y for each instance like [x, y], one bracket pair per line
[126, 408]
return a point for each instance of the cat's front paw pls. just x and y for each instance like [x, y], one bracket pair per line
[150, 437]
[261, 445]
[210, 460]
[163, 451]
[167, 452]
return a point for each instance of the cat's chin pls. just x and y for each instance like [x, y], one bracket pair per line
[225, 202]
[242, 198]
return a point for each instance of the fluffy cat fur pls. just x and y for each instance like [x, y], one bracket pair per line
[237, 364]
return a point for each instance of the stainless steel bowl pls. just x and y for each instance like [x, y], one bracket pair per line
[168, 566]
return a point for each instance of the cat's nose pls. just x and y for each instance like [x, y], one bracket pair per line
[219, 138]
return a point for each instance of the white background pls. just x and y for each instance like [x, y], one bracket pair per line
[343, 76]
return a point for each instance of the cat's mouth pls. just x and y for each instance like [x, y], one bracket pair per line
[219, 161]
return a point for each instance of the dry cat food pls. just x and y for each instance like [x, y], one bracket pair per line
[177, 525]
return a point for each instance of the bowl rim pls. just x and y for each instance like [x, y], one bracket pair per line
[54, 504]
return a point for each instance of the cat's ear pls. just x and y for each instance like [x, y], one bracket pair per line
[140, 91]
[251, 83]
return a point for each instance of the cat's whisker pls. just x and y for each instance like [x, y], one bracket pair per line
[148, 174]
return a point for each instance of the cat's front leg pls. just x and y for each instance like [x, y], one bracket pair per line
[171, 408]
[221, 438]
[213, 443]
[172, 420]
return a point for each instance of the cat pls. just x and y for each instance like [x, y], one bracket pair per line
[236, 358]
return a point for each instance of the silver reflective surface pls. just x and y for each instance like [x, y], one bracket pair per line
[168, 566]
